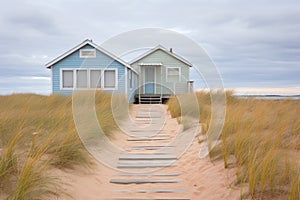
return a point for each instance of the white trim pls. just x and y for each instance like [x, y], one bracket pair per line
[85, 42]
[179, 71]
[150, 64]
[160, 47]
[161, 81]
[126, 77]
[88, 78]
[131, 81]
[93, 50]
[144, 81]
[52, 89]
[61, 78]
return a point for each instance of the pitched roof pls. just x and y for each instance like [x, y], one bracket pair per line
[85, 42]
[160, 47]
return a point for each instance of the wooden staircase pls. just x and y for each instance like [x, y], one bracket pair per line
[150, 99]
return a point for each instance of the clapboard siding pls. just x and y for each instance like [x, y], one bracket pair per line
[101, 61]
[163, 86]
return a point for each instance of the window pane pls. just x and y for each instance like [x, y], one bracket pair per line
[67, 78]
[109, 78]
[95, 78]
[81, 79]
[173, 71]
[173, 74]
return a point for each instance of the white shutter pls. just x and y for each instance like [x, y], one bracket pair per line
[109, 79]
[67, 78]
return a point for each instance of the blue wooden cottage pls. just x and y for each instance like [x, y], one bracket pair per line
[150, 78]
[88, 66]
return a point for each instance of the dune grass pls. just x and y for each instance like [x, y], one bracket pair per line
[261, 139]
[37, 134]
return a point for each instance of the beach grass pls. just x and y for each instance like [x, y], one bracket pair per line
[38, 134]
[260, 139]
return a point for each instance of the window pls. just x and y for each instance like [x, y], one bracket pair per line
[95, 78]
[89, 78]
[109, 78]
[87, 53]
[130, 79]
[81, 78]
[173, 74]
[67, 78]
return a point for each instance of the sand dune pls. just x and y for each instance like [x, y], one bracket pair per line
[202, 178]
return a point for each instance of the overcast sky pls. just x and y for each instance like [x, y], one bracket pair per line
[254, 44]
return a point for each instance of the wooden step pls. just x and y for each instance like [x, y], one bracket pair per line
[151, 135]
[147, 157]
[146, 129]
[151, 147]
[147, 138]
[145, 164]
[149, 115]
[143, 181]
[150, 174]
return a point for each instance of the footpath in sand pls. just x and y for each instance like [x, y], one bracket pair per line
[152, 166]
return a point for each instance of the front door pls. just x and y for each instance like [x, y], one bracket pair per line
[149, 83]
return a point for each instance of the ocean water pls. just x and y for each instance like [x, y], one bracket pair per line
[270, 97]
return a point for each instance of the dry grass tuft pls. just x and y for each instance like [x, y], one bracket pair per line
[263, 137]
[38, 133]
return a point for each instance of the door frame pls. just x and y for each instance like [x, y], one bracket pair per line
[154, 81]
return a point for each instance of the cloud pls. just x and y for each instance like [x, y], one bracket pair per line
[251, 42]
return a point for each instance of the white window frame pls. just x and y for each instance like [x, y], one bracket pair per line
[82, 56]
[61, 78]
[62, 83]
[167, 75]
[88, 78]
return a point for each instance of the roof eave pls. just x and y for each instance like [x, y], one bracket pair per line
[59, 58]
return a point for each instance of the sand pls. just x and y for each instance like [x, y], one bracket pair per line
[203, 179]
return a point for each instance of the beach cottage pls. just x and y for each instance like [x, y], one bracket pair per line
[150, 78]
[162, 73]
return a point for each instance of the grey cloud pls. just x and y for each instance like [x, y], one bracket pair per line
[259, 38]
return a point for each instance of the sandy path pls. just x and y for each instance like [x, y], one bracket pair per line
[202, 179]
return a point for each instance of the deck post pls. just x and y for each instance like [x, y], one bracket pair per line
[190, 86]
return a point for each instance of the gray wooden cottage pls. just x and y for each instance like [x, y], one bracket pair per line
[150, 78]
[161, 73]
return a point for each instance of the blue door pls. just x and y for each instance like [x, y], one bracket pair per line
[149, 80]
